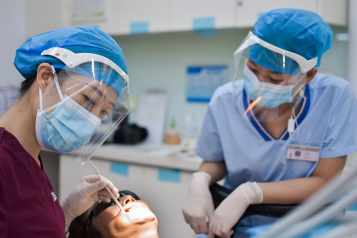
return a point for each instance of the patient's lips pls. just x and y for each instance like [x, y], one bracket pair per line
[134, 205]
[137, 211]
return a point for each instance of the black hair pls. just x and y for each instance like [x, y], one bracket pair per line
[78, 228]
[27, 83]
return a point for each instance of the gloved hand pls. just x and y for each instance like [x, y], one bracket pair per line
[89, 190]
[199, 203]
[232, 208]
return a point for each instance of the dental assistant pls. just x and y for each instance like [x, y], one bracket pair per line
[74, 77]
[279, 132]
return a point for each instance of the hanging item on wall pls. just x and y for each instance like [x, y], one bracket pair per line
[202, 81]
[151, 115]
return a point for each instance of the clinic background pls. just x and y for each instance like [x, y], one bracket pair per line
[155, 60]
[160, 40]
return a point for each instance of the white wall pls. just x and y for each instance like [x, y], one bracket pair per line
[352, 53]
[160, 61]
[13, 35]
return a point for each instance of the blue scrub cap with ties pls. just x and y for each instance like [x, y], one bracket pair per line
[299, 31]
[76, 39]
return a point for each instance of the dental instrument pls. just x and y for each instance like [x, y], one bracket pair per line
[96, 171]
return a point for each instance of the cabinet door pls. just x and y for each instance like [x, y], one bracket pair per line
[136, 16]
[183, 13]
[165, 191]
[333, 11]
[248, 11]
[124, 176]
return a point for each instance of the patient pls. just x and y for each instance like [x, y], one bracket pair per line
[106, 220]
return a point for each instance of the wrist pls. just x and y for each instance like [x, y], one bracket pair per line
[252, 193]
[66, 211]
[201, 178]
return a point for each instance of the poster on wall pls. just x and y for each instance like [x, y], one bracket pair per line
[202, 81]
[88, 10]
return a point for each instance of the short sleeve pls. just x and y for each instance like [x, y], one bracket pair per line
[209, 146]
[341, 135]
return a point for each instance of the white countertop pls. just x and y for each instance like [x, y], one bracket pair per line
[164, 156]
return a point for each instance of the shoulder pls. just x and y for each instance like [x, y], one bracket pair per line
[323, 81]
[332, 90]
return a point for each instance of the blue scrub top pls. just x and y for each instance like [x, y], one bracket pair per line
[327, 119]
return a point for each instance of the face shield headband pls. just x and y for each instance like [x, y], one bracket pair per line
[72, 60]
[304, 64]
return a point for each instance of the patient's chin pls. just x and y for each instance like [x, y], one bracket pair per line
[150, 234]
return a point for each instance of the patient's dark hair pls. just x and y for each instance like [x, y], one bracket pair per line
[78, 228]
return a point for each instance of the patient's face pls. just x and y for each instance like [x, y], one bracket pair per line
[140, 221]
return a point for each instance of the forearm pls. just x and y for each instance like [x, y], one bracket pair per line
[217, 170]
[292, 191]
[296, 191]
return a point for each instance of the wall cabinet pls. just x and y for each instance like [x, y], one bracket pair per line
[141, 16]
[136, 16]
[332, 11]
[186, 15]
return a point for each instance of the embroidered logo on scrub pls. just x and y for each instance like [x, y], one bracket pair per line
[54, 196]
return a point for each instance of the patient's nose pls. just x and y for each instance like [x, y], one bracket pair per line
[126, 199]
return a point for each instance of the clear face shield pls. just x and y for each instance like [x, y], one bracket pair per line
[272, 76]
[83, 106]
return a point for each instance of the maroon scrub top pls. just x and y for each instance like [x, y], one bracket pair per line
[28, 206]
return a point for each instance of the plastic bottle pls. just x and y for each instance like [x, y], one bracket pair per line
[172, 134]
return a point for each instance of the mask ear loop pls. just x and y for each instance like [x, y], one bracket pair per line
[57, 83]
[40, 93]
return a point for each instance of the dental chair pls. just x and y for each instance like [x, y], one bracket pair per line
[219, 193]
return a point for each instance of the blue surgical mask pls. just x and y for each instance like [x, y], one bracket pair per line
[272, 95]
[68, 127]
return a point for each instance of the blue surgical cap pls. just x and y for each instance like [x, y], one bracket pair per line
[76, 39]
[299, 31]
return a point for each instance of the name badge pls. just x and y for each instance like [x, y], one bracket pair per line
[300, 152]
